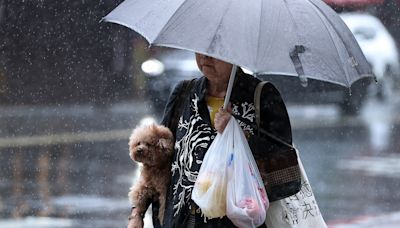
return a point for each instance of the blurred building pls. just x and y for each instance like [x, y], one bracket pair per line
[60, 52]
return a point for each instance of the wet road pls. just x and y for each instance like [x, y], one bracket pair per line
[82, 179]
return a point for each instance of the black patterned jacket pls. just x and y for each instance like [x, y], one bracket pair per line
[194, 135]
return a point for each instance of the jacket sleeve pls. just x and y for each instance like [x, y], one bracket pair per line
[166, 121]
[169, 107]
[273, 119]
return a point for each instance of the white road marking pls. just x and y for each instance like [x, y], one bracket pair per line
[387, 166]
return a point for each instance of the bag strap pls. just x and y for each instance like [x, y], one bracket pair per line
[179, 102]
[257, 102]
[257, 97]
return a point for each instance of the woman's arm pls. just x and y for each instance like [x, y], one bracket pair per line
[274, 119]
[169, 107]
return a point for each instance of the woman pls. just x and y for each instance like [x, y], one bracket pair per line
[201, 118]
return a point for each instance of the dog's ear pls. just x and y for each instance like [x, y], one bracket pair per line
[165, 143]
[166, 139]
[163, 132]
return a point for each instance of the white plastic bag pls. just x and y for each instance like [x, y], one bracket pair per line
[297, 211]
[209, 191]
[229, 182]
[247, 200]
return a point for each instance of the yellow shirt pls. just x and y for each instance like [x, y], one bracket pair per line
[214, 104]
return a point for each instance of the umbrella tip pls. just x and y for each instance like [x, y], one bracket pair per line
[103, 19]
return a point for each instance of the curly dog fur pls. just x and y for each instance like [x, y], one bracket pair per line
[153, 146]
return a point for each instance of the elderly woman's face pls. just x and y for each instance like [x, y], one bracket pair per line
[213, 69]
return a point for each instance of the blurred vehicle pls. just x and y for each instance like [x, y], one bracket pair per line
[163, 73]
[381, 52]
[378, 46]
[172, 66]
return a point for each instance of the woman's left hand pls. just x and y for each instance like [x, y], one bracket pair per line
[222, 118]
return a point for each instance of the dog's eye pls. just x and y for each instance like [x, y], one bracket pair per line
[137, 144]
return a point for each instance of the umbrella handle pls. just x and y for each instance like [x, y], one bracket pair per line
[230, 85]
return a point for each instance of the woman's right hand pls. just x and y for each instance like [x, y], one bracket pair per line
[222, 118]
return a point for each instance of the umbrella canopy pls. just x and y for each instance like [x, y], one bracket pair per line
[304, 38]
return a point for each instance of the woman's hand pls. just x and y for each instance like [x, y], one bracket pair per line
[135, 219]
[222, 118]
[135, 223]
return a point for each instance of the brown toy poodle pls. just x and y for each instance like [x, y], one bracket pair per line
[153, 146]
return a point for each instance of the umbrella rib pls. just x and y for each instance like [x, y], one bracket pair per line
[330, 35]
[167, 24]
[319, 12]
[259, 33]
[214, 37]
[293, 20]
[296, 28]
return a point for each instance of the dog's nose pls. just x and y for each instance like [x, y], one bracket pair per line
[139, 150]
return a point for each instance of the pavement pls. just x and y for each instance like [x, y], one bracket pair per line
[390, 220]
[86, 123]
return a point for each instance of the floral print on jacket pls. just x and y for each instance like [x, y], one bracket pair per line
[194, 134]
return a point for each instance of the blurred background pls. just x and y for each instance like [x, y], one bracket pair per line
[72, 88]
